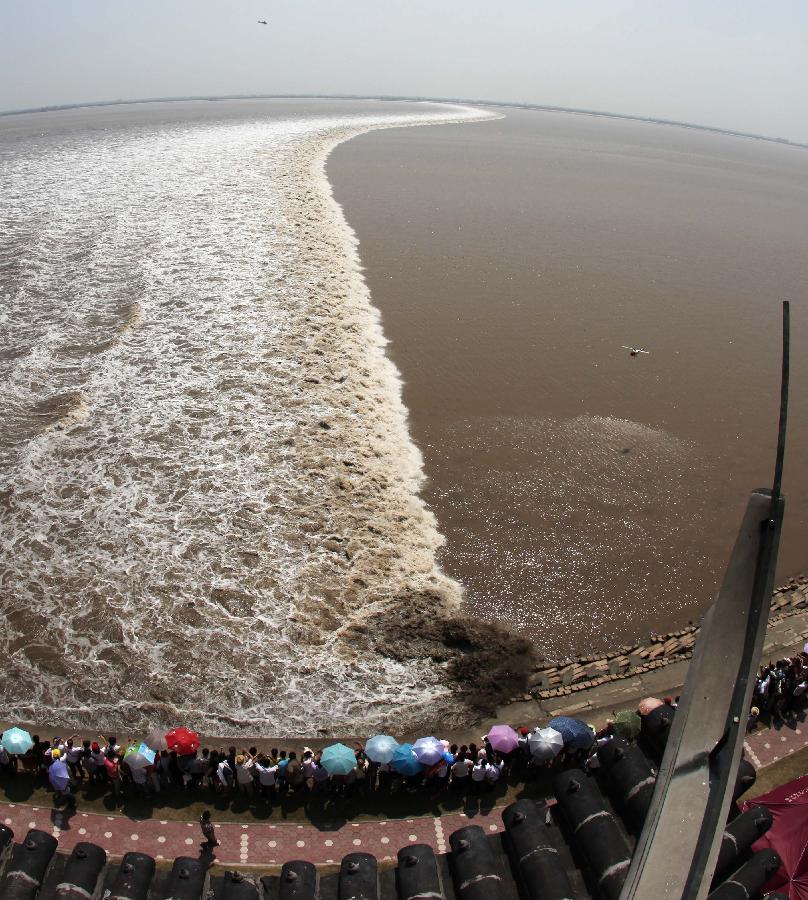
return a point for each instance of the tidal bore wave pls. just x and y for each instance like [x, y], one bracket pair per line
[209, 500]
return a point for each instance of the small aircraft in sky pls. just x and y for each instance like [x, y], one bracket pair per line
[633, 351]
[263, 22]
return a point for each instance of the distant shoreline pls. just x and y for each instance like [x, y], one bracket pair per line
[499, 104]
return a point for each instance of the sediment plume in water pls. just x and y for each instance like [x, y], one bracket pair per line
[210, 509]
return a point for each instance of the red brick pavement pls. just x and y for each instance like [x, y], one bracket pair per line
[765, 747]
[248, 844]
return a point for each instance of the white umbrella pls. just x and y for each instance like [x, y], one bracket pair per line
[545, 744]
[428, 751]
[157, 740]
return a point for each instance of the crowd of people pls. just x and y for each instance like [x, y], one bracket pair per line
[275, 774]
[781, 690]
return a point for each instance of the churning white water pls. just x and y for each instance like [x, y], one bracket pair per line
[205, 469]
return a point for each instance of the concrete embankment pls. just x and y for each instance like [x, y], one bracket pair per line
[595, 687]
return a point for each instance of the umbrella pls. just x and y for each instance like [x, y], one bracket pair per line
[545, 744]
[182, 740]
[788, 836]
[156, 740]
[137, 760]
[15, 740]
[145, 750]
[577, 734]
[404, 760]
[380, 748]
[503, 738]
[649, 704]
[57, 775]
[337, 759]
[428, 750]
[628, 724]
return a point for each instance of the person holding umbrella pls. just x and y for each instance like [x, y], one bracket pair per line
[59, 779]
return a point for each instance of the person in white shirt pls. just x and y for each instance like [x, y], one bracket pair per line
[478, 773]
[244, 774]
[494, 771]
[266, 776]
[460, 771]
[224, 776]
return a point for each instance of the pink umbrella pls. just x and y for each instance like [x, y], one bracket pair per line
[649, 704]
[503, 738]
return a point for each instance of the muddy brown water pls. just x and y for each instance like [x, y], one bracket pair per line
[588, 497]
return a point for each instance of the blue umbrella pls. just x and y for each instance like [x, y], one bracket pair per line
[338, 759]
[57, 775]
[428, 750]
[404, 760]
[577, 735]
[15, 740]
[380, 748]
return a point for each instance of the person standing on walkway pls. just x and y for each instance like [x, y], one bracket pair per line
[208, 831]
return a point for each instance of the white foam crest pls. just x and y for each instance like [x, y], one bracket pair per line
[209, 471]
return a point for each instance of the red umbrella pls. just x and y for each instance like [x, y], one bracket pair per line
[788, 836]
[182, 740]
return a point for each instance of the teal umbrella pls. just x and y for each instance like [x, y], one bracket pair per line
[17, 741]
[337, 759]
[380, 748]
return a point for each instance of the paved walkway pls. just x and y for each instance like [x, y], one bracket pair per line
[262, 844]
[243, 845]
[765, 747]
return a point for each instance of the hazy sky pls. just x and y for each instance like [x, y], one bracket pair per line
[735, 64]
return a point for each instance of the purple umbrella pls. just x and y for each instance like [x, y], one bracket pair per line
[428, 750]
[57, 775]
[503, 738]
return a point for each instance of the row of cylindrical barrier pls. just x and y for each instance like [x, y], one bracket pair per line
[546, 848]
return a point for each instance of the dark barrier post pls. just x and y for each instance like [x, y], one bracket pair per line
[187, 881]
[474, 869]
[298, 881]
[28, 866]
[630, 777]
[656, 726]
[238, 887]
[417, 872]
[533, 856]
[134, 878]
[739, 836]
[749, 879]
[6, 842]
[358, 877]
[746, 777]
[596, 830]
[81, 873]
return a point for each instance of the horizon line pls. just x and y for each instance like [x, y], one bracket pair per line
[715, 129]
